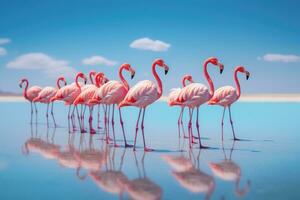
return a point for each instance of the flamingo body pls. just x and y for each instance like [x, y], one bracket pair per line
[33, 92]
[86, 95]
[141, 95]
[45, 95]
[224, 96]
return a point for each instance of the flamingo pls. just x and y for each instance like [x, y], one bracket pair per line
[196, 94]
[228, 170]
[68, 94]
[227, 95]
[143, 94]
[174, 94]
[46, 94]
[85, 96]
[113, 92]
[30, 94]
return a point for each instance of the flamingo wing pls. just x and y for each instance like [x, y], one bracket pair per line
[174, 93]
[194, 93]
[224, 96]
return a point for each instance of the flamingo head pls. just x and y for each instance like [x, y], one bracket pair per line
[99, 78]
[21, 82]
[81, 75]
[161, 63]
[91, 74]
[216, 62]
[129, 68]
[105, 79]
[243, 70]
[189, 78]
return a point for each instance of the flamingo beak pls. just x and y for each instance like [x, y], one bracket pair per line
[221, 67]
[166, 69]
[247, 75]
[20, 85]
[85, 81]
[132, 75]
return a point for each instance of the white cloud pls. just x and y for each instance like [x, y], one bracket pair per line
[98, 60]
[3, 51]
[43, 62]
[149, 44]
[286, 58]
[4, 41]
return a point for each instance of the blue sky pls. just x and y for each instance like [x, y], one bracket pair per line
[46, 38]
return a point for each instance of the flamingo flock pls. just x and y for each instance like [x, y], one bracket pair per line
[108, 94]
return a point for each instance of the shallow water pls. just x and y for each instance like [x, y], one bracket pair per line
[41, 163]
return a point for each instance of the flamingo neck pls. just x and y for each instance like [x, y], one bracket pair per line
[237, 83]
[125, 84]
[76, 81]
[25, 90]
[184, 81]
[210, 83]
[58, 82]
[159, 83]
[91, 77]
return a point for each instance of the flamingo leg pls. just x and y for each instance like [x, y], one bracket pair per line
[47, 114]
[137, 128]
[78, 116]
[52, 113]
[73, 118]
[92, 130]
[36, 111]
[105, 124]
[191, 130]
[190, 126]
[113, 125]
[69, 118]
[98, 115]
[197, 125]
[222, 123]
[231, 122]
[180, 121]
[108, 116]
[31, 113]
[142, 126]
[122, 125]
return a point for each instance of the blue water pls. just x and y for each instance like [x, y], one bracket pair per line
[267, 166]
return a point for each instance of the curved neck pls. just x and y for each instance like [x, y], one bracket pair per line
[159, 84]
[210, 83]
[125, 84]
[184, 81]
[237, 83]
[76, 81]
[91, 77]
[25, 89]
[58, 82]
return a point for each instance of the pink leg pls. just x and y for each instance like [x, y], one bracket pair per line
[113, 125]
[47, 115]
[180, 120]
[197, 125]
[36, 112]
[73, 118]
[52, 113]
[31, 113]
[231, 122]
[78, 116]
[69, 118]
[190, 126]
[98, 115]
[92, 130]
[222, 123]
[142, 126]
[105, 124]
[122, 125]
[137, 128]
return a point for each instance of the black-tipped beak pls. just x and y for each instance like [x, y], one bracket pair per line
[166, 71]
[247, 76]
[20, 85]
[132, 75]
[221, 70]
[85, 81]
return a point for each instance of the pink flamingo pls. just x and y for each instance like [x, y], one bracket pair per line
[68, 94]
[196, 94]
[113, 92]
[84, 97]
[174, 95]
[143, 94]
[227, 95]
[46, 94]
[30, 94]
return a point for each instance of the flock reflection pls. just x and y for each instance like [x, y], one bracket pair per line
[104, 167]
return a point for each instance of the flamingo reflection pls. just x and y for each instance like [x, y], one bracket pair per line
[143, 188]
[187, 172]
[111, 180]
[44, 147]
[228, 170]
